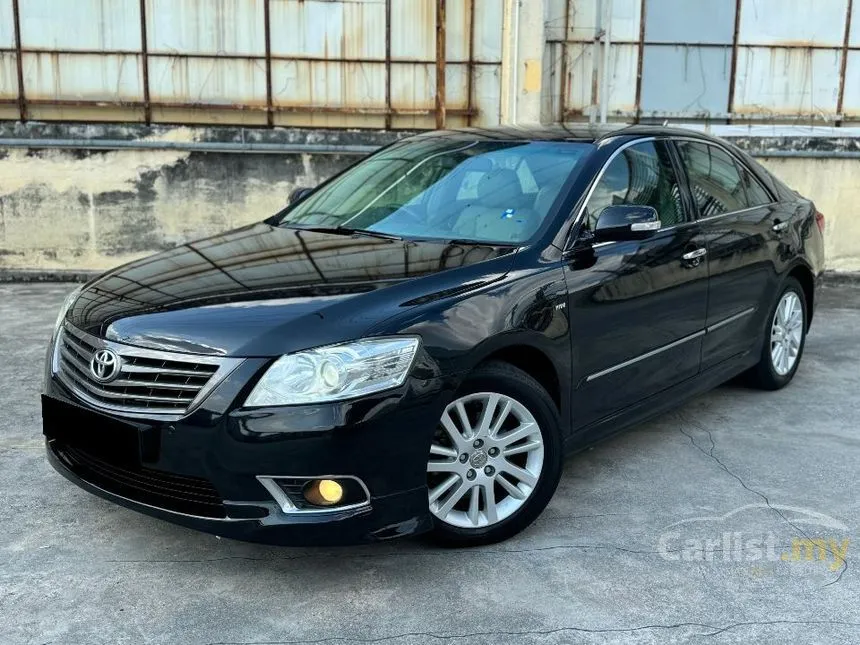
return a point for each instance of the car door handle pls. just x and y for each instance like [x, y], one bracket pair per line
[779, 226]
[695, 254]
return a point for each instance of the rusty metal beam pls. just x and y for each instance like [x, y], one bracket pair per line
[639, 62]
[399, 61]
[144, 48]
[440, 65]
[388, 64]
[236, 107]
[733, 73]
[298, 59]
[562, 101]
[840, 102]
[267, 34]
[470, 68]
[19, 59]
[786, 45]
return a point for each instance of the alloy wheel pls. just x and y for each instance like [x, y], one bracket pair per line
[786, 333]
[485, 460]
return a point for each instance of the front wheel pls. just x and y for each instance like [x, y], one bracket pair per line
[785, 337]
[495, 459]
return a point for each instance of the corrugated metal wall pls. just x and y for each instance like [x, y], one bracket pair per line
[373, 63]
[328, 63]
[762, 60]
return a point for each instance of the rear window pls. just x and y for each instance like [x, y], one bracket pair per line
[715, 179]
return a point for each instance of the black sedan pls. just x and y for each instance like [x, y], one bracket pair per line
[415, 344]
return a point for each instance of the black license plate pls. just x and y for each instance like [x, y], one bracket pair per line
[101, 436]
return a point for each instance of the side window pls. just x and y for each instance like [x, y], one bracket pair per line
[714, 179]
[642, 175]
[756, 193]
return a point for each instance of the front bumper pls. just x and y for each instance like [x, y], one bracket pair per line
[201, 471]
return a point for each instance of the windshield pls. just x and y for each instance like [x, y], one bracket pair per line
[446, 188]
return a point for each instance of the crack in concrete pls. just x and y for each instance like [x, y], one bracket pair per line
[714, 630]
[710, 453]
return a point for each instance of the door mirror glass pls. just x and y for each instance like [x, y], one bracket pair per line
[626, 222]
[299, 194]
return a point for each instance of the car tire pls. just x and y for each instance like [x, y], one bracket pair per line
[772, 373]
[525, 400]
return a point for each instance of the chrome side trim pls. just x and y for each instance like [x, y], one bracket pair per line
[642, 357]
[278, 494]
[730, 319]
[659, 350]
[287, 506]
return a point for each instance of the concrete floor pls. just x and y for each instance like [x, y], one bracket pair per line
[618, 556]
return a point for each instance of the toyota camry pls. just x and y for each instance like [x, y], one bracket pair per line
[415, 344]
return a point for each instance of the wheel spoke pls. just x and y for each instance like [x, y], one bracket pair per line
[451, 428]
[442, 466]
[513, 491]
[453, 498]
[490, 498]
[487, 414]
[777, 355]
[520, 473]
[500, 420]
[442, 488]
[517, 434]
[468, 431]
[521, 448]
[443, 451]
[475, 505]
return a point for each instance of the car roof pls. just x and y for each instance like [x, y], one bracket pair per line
[584, 132]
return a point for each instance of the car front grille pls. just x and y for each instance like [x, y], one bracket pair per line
[179, 493]
[149, 382]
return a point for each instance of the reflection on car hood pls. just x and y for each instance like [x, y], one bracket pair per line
[263, 290]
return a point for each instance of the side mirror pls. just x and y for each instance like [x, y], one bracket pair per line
[625, 222]
[299, 194]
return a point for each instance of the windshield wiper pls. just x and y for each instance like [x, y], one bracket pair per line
[345, 230]
[467, 242]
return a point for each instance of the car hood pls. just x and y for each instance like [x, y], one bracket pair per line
[264, 291]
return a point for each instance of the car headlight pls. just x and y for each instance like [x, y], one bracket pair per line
[67, 304]
[336, 372]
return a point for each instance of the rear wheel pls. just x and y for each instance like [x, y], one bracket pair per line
[785, 338]
[495, 458]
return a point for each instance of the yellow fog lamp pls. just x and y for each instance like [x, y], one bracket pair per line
[323, 492]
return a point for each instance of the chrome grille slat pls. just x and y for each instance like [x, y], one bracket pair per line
[81, 379]
[143, 369]
[149, 383]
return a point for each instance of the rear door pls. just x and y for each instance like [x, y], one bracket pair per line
[636, 308]
[739, 219]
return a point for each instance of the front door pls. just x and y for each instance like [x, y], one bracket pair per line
[636, 308]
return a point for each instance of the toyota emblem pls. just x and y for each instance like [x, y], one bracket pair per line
[104, 365]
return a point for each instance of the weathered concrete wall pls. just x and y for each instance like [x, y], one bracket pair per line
[94, 209]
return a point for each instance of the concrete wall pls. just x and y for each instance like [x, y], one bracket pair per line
[94, 209]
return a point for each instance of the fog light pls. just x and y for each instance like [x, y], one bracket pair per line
[323, 492]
